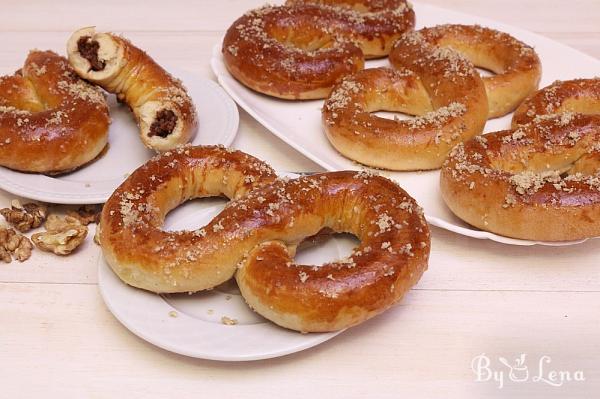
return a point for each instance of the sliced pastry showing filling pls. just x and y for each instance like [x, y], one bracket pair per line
[162, 107]
[51, 120]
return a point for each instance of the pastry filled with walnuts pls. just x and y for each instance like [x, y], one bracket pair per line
[160, 103]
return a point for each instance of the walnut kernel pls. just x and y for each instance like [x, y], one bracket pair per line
[87, 214]
[15, 244]
[62, 235]
[24, 217]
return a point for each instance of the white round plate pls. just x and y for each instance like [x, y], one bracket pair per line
[191, 324]
[298, 123]
[218, 123]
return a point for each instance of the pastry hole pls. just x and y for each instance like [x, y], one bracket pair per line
[194, 214]
[307, 40]
[485, 73]
[325, 247]
[392, 115]
[88, 49]
[164, 123]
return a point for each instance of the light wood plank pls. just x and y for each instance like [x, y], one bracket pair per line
[192, 15]
[59, 340]
[457, 263]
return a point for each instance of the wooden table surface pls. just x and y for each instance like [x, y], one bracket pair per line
[57, 339]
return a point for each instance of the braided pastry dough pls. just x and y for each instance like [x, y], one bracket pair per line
[299, 52]
[51, 121]
[163, 109]
[258, 231]
[539, 181]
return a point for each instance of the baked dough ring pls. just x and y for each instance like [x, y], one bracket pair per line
[163, 109]
[145, 256]
[433, 82]
[578, 95]
[390, 259]
[51, 121]
[259, 232]
[418, 143]
[516, 65]
[538, 182]
[373, 24]
[299, 52]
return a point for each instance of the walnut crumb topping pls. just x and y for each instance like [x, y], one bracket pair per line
[303, 277]
[87, 214]
[228, 321]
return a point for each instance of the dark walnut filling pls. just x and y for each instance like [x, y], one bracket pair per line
[163, 124]
[88, 49]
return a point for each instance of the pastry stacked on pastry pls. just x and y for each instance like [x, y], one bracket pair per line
[299, 51]
[434, 78]
[312, 49]
[255, 237]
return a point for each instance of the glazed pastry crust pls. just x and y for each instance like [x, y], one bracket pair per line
[516, 66]
[257, 233]
[51, 121]
[150, 91]
[299, 51]
[540, 181]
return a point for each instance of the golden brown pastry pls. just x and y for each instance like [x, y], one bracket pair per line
[374, 25]
[145, 256]
[300, 51]
[51, 121]
[258, 232]
[540, 181]
[578, 95]
[438, 85]
[392, 255]
[516, 66]
[449, 111]
[162, 107]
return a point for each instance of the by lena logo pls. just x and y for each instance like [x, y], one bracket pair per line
[519, 370]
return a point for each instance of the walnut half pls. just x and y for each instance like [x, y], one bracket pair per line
[15, 244]
[87, 214]
[62, 235]
[24, 217]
